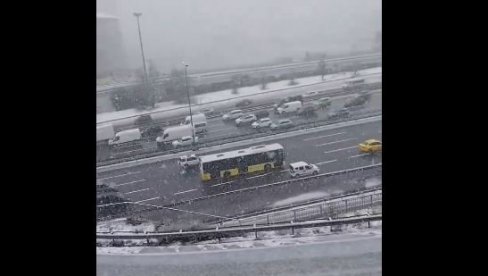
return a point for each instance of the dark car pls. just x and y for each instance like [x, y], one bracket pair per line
[110, 202]
[143, 120]
[261, 114]
[341, 113]
[151, 132]
[307, 111]
[243, 103]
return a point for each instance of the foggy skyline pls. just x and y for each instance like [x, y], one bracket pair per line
[223, 33]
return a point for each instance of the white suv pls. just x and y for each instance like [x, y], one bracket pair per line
[303, 168]
[184, 141]
[234, 114]
[264, 122]
[246, 120]
[189, 161]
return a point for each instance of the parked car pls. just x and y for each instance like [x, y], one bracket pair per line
[234, 114]
[245, 120]
[243, 103]
[303, 168]
[337, 114]
[184, 142]
[261, 114]
[370, 146]
[262, 123]
[188, 161]
[282, 124]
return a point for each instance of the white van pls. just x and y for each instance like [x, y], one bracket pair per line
[125, 136]
[290, 107]
[174, 133]
[303, 168]
[199, 122]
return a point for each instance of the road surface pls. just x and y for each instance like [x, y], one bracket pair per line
[345, 254]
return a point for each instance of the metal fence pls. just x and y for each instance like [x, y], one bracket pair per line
[329, 208]
[216, 233]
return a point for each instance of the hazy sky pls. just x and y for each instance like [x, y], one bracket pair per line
[220, 33]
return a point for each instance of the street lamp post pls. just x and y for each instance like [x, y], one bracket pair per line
[189, 104]
[137, 15]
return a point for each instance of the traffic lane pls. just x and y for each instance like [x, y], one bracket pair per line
[254, 200]
[172, 185]
[217, 128]
[345, 254]
[299, 147]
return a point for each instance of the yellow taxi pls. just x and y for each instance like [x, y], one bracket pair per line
[370, 146]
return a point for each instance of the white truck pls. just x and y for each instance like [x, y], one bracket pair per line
[199, 122]
[173, 133]
[289, 107]
[105, 132]
[125, 136]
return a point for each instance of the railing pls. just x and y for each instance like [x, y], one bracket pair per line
[217, 233]
[355, 171]
[326, 208]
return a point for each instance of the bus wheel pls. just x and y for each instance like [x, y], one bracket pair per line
[267, 168]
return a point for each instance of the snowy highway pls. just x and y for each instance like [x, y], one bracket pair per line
[163, 183]
[218, 129]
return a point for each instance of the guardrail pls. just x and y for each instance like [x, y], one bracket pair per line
[229, 99]
[326, 208]
[177, 120]
[207, 197]
[152, 152]
[105, 89]
[216, 233]
[341, 195]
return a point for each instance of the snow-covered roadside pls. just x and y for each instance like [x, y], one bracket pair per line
[225, 99]
[265, 239]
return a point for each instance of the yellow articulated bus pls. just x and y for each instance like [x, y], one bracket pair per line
[257, 159]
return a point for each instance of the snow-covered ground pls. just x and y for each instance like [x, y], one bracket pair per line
[225, 98]
[121, 225]
[265, 239]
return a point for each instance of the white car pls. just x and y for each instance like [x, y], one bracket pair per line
[246, 120]
[303, 168]
[234, 114]
[184, 141]
[262, 123]
[189, 161]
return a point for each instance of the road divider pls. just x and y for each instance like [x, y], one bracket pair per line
[269, 137]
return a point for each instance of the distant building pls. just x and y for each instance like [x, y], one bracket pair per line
[110, 53]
